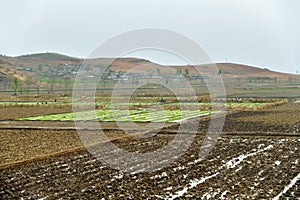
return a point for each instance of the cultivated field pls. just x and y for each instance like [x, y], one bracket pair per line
[256, 157]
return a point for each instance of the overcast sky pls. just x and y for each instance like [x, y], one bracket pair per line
[264, 33]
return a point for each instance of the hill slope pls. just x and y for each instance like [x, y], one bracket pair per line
[52, 65]
[49, 56]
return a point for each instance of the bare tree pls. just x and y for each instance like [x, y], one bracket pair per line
[28, 83]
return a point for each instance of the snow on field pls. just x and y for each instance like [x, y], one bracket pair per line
[43, 198]
[289, 186]
[164, 174]
[223, 195]
[277, 162]
[234, 162]
[193, 183]
[238, 168]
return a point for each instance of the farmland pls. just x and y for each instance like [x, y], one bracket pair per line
[134, 111]
[141, 115]
[257, 155]
[199, 102]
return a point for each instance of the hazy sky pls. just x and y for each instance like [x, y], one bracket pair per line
[264, 33]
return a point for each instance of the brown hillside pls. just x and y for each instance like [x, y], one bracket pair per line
[49, 65]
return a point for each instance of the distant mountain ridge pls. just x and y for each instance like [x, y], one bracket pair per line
[48, 55]
[48, 65]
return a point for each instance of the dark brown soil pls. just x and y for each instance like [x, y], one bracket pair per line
[280, 119]
[13, 112]
[240, 166]
[263, 174]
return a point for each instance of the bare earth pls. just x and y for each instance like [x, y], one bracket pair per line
[257, 156]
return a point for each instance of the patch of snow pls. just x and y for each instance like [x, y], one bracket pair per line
[277, 162]
[118, 176]
[195, 161]
[179, 193]
[193, 184]
[178, 168]
[260, 145]
[43, 198]
[238, 169]
[159, 196]
[236, 161]
[229, 165]
[168, 188]
[164, 174]
[206, 196]
[292, 183]
[90, 161]
[223, 194]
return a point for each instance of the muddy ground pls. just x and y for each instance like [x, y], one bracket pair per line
[257, 156]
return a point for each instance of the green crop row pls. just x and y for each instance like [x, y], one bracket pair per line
[123, 115]
[115, 104]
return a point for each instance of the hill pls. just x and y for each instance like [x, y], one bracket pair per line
[47, 56]
[240, 70]
[233, 70]
[54, 67]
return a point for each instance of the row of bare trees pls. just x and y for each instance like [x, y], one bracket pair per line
[33, 86]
